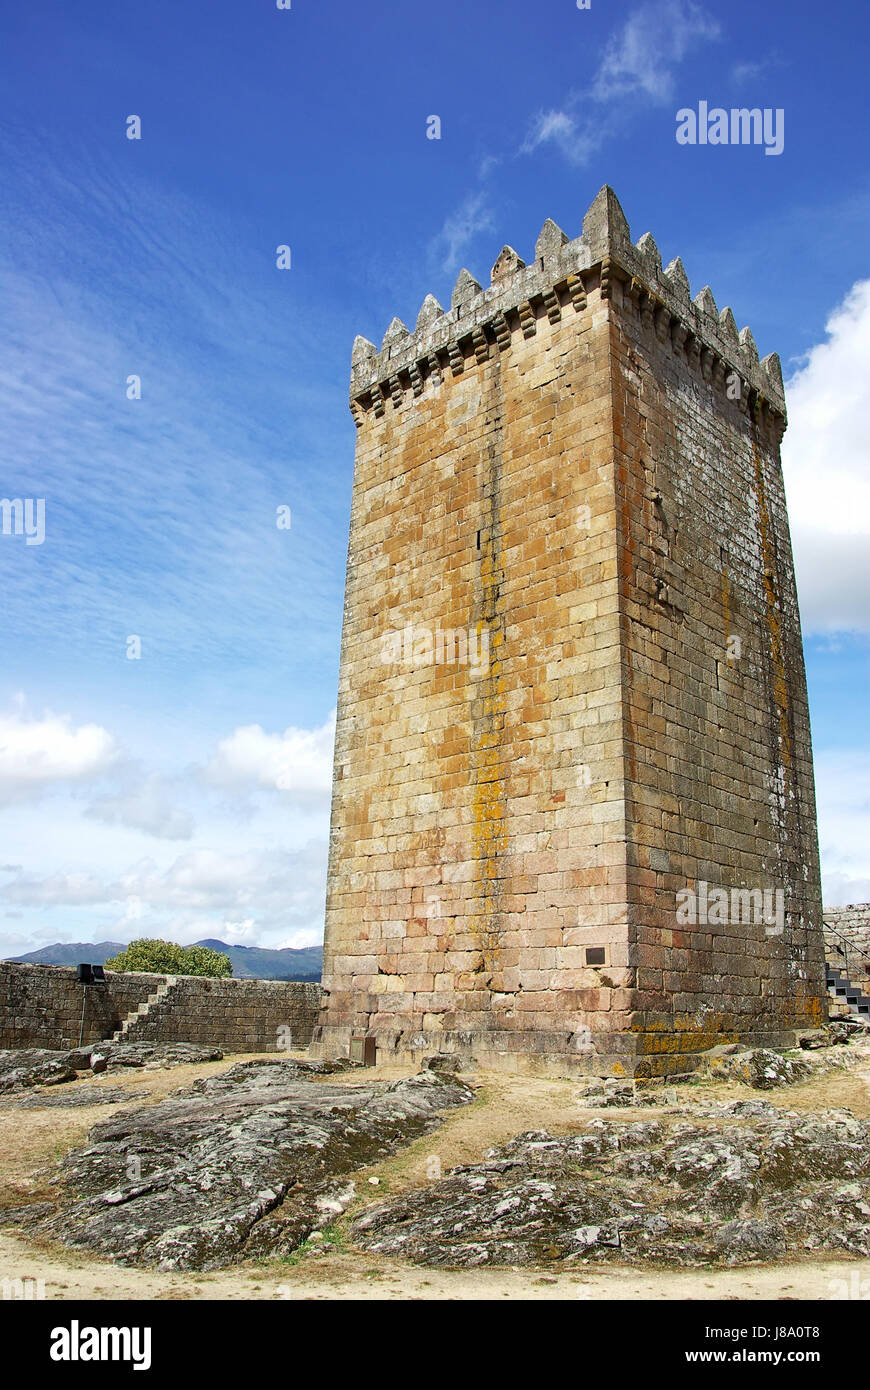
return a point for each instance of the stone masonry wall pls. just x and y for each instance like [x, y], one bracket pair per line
[477, 834]
[41, 1006]
[557, 463]
[717, 738]
[847, 941]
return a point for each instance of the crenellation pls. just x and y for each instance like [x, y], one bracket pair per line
[706, 306]
[465, 292]
[548, 247]
[650, 256]
[395, 340]
[772, 366]
[747, 346]
[605, 229]
[430, 313]
[507, 265]
[677, 280]
[557, 276]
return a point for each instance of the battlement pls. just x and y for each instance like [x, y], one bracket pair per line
[520, 297]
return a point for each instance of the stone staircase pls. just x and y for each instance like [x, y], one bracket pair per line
[131, 1023]
[841, 988]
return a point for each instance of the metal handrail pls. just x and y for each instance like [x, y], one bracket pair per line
[849, 945]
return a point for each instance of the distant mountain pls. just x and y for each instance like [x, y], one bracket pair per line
[249, 962]
[71, 953]
[259, 963]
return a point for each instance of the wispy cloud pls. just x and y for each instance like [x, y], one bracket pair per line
[753, 68]
[641, 58]
[272, 896]
[474, 215]
[145, 803]
[746, 72]
[638, 68]
[152, 504]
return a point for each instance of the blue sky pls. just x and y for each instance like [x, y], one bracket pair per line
[186, 793]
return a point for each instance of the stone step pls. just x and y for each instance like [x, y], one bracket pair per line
[142, 1010]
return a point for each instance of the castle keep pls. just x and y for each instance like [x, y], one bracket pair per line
[572, 694]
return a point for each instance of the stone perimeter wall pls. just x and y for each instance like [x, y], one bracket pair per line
[852, 922]
[41, 1006]
[847, 941]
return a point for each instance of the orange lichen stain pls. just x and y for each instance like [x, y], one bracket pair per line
[489, 832]
[684, 1034]
[488, 827]
[774, 621]
[805, 1009]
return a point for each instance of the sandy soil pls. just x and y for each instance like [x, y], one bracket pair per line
[31, 1141]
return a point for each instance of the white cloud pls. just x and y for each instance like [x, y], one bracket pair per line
[745, 72]
[843, 804]
[471, 217]
[639, 62]
[67, 890]
[38, 754]
[642, 56]
[826, 466]
[225, 885]
[577, 142]
[146, 807]
[299, 761]
[265, 896]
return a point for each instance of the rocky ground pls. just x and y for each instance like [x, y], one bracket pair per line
[190, 1183]
[356, 1181]
[716, 1184]
[78, 1098]
[24, 1068]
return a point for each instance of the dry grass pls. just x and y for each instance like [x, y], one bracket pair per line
[31, 1141]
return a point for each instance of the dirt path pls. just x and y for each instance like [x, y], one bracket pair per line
[347, 1275]
[31, 1141]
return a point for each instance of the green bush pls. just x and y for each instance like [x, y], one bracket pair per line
[167, 958]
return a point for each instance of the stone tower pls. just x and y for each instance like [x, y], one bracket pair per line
[573, 818]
